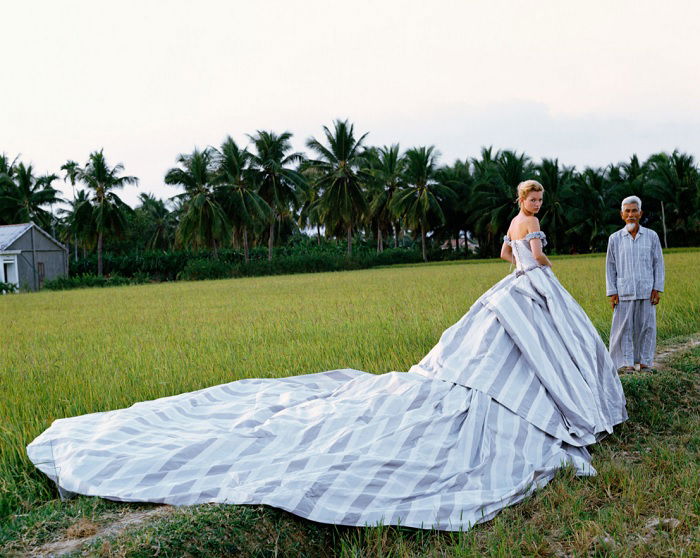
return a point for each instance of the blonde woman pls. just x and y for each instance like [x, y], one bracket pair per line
[525, 224]
[511, 393]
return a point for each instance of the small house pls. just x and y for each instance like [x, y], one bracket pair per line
[29, 256]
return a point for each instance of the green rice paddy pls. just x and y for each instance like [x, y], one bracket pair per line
[74, 352]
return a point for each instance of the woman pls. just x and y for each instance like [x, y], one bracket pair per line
[510, 394]
[525, 223]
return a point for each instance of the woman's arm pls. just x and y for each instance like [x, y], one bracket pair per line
[536, 247]
[536, 243]
[507, 253]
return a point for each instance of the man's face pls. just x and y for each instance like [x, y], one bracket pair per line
[631, 215]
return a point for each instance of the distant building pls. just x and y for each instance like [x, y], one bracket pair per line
[29, 256]
[452, 244]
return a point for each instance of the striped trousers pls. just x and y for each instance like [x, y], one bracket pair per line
[633, 333]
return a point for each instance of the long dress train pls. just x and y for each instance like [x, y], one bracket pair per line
[511, 393]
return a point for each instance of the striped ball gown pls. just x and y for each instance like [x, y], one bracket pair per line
[511, 393]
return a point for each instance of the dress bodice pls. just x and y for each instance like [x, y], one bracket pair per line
[524, 260]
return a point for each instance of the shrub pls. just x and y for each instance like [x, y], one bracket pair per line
[87, 280]
[300, 255]
[6, 288]
[205, 269]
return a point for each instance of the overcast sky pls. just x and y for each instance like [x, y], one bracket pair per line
[587, 82]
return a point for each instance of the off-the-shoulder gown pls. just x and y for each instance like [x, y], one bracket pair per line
[512, 392]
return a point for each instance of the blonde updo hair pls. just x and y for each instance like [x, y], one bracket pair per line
[527, 186]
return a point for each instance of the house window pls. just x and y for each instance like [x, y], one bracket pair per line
[42, 273]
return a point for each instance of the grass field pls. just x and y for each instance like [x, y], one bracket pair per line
[74, 352]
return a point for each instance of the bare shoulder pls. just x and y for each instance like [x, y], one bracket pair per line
[513, 227]
[533, 224]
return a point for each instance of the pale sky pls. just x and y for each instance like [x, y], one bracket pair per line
[587, 82]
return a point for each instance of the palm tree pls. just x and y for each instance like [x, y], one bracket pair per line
[557, 182]
[674, 180]
[108, 209]
[71, 169]
[386, 167]
[160, 221]
[419, 203]
[457, 178]
[310, 214]
[589, 213]
[79, 220]
[23, 195]
[513, 168]
[203, 221]
[7, 167]
[236, 191]
[626, 179]
[485, 177]
[340, 176]
[633, 175]
[495, 191]
[71, 174]
[280, 185]
[7, 186]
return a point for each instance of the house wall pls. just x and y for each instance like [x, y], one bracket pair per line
[47, 252]
[26, 274]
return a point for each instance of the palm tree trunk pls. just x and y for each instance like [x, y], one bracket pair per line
[396, 235]
[349, 239]
[75, 247]
[422, 241]
[380, 240]
[271, 241]
[318, 234]
[99, 253]
[213, 245]
[246, 254]
[663, 223]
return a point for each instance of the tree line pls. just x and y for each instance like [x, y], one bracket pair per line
[347, 190]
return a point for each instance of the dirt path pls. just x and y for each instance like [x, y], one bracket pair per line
[84, 531]
[667, 351]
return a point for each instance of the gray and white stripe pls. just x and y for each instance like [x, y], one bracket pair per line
[634, 265]
[512, 392]
[633, 333]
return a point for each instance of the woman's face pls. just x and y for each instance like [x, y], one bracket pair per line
[532, 203]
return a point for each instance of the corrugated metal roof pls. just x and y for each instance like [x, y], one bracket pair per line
[10, 233]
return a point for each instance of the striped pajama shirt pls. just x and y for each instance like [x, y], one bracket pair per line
[634, 266]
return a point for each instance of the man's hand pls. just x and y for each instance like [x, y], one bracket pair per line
[614, 301]
[655, 297]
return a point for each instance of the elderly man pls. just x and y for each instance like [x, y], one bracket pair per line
[634, 276]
